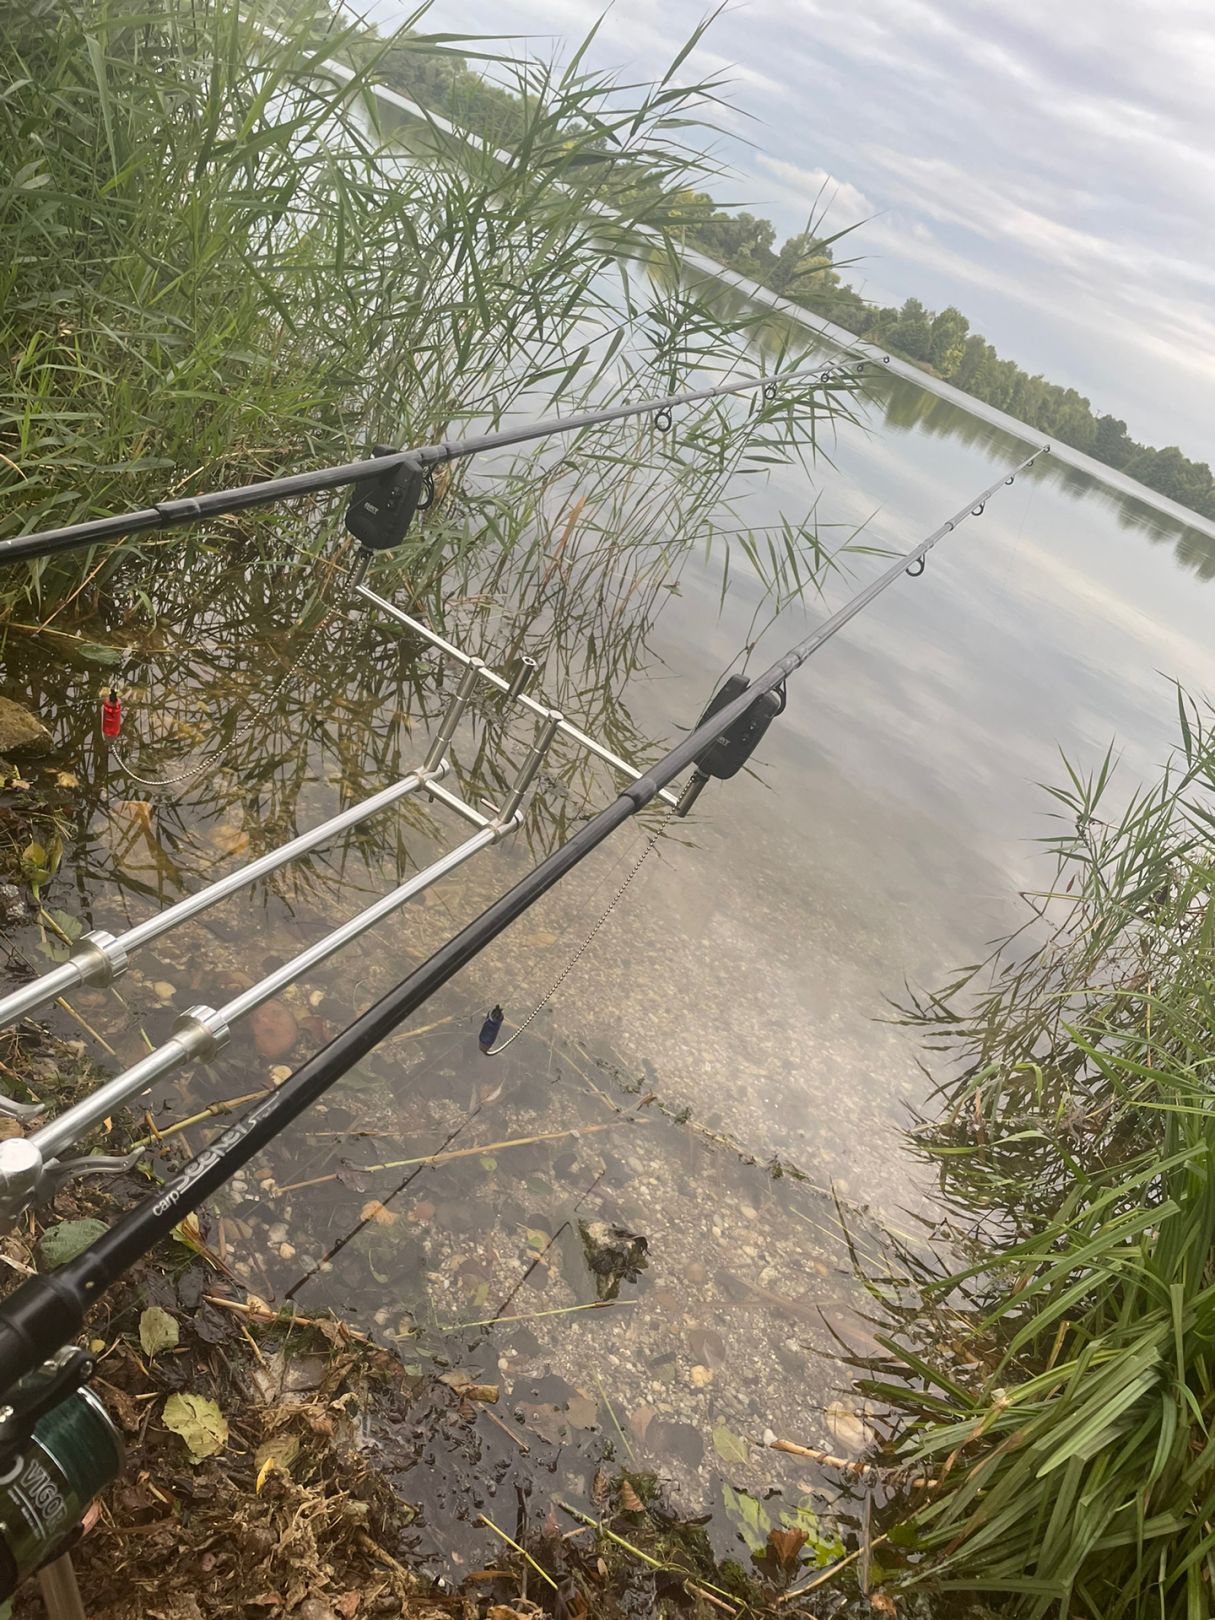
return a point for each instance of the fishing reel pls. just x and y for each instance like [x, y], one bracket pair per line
[58, 1451]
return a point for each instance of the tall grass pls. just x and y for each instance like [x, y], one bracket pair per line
[1060, 1388]
[219, 261]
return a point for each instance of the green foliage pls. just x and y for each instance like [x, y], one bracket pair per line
[225, 257]
[65, 1240]
[1060, 1387]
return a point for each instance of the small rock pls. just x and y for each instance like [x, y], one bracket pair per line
[19, 728]
[278, 1232]
[13, 906]
[275, 1030]
[164, 990]
[286, 1251]
[848, 1428]
[702, 1377]
[279, 1073]
[748, 1212]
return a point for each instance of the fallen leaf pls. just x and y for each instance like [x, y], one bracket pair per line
[373, 1210]
[64, 1241]
[582, 1411]
[199, 1422]
[630, 1502]
[348, 1604]
[65, 779]
[729, 1446]
[478, 1392]
[158, 1331]
[849, 1430]
[275, 1454]
[640, 1420]
[786, 1545]
[280, 1072]
[882, 1603]
[229, 840]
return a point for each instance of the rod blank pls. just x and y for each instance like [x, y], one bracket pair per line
[180, 513]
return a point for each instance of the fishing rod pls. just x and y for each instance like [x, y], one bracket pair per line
[44, 1313]
[385, 464]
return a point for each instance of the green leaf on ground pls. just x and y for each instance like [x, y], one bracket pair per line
[64, 1241]
[158, 1331]
[199, 1422]
[729, 1446]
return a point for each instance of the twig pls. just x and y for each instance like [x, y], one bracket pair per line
[522, 1551]
[730, 1605]
[262, 1314]
[826, 1574]
[62, 1001]
[528, 1316]
[506, 1429]
[221, 1107]
[615, 1420]
[460, 1153]
[848, 1466]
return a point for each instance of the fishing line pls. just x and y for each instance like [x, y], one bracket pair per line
[650, 845]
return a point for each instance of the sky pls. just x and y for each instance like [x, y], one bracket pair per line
[1048, 167]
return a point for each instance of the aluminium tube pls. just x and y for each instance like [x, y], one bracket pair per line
[566, 727]
[185, 1043]
[100, 962]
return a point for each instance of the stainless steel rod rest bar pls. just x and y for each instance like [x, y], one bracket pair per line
[26, 1163]
[99, 958]
[566, 727]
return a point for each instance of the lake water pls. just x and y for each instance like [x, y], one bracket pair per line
[735, 1009]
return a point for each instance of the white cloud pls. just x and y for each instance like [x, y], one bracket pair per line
[835, 204]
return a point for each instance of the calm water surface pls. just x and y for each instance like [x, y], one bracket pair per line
[742, 990]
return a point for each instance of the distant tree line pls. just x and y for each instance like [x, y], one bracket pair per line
[803, 270]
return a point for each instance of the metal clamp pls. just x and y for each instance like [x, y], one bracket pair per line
[57, 1172]
[203, 1030]
[12, 1109]
[100, 957]
[27, 1180]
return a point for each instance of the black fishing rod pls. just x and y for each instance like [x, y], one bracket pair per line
[44, 1313]
[179, 513]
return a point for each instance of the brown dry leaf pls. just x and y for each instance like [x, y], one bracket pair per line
[230, 840]
[373, 1210]
[65, 779]
[137, 811]
[786, 1545]
[630, 1502]
[882, 1603]
[348, 1605]
[478, 1392]
[640, 1419]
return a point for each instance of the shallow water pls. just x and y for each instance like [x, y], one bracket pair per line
[744, 986]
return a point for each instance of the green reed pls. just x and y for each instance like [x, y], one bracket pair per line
[226, 256]
[1060, 1386]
